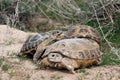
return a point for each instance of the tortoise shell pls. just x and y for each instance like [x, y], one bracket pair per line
[83, 31]
[75, 48]
[42, 47]
[72, 54]
[32, 42]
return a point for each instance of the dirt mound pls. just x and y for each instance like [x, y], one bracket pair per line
[11, 40]
[13, 67]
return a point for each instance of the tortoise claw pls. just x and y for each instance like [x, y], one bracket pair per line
[73, 71]
[67, 63]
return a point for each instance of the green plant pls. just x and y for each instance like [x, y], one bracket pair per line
[5, 67]
[25, 57]
[1, 61]
[82, 71]
[54, 77]
[11, 73]
[110, 59]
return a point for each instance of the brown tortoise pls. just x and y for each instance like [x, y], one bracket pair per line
[32, 42]
[71, 54]
[77, 31]
[83, 31]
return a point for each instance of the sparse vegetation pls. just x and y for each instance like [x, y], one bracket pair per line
[110, 59]
[3, 64]
[5, 67]
[25, 58]
[82, 71]
[101, 14]
[44, 15]
[11, 73]
[56, 77]
[1, 61]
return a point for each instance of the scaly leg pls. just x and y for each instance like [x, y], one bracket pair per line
[68, 63]
[37, 55]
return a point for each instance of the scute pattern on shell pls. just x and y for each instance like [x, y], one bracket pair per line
[83, 31]
[31, 43]
[72, 54]
[75, 48]
[41, 48]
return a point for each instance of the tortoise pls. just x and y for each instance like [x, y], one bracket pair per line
[32, 42]
[77, 31]
[71, 54]
[83, 31]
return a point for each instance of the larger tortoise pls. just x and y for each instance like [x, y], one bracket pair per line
[83, 31]
[71, 54]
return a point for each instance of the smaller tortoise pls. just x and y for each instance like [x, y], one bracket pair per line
[71, 54]
[83, 31]
[32, 42]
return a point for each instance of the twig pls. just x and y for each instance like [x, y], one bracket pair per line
[101, 28]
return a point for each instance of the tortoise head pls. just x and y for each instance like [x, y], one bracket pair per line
[57, 34]
[55, 57]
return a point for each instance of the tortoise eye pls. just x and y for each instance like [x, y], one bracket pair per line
[57, 32]
[53, 55]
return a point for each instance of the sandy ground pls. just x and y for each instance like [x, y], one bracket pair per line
[11, 41]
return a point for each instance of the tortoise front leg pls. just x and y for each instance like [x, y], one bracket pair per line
[69, 64]
[37, 55]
